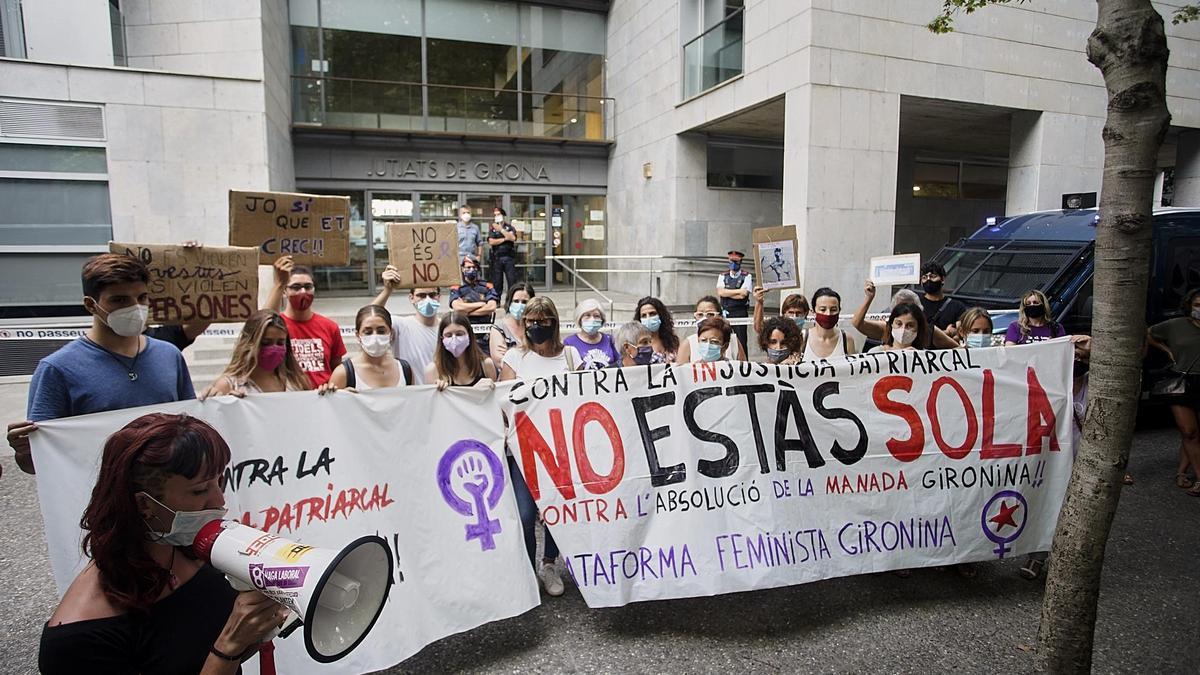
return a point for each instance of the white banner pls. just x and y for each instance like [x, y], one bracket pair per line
[326, 470]
[662, 482]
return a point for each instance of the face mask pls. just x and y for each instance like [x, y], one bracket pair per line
[127, 321]
[456, 344]
[644, 355]
[979, 340]
[428, 307]
[777, 355]
[734, 266]
[465, 217]
[827, 321]
[1196, 314]
[300, 301]
[1035, 311]
[499, 219]
[271, 356]
[185, 525]
[375, 345]
[471, 275]
[799, 320]
[516, 309]
[592, 326]
[709, 352]
[903, 336]
[932, 287]
[652, 323]
[539, 334]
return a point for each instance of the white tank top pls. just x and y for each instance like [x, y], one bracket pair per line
[839, 348]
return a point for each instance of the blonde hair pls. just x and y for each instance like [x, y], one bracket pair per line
[541, 307]
[245, 352]
[1023, 321]
[969, 317]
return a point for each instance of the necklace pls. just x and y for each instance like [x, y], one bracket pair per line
[131, 368]
[172, 579]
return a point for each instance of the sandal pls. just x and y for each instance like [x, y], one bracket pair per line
[1128, 480]
[1182, 481]
[1032, 569]
[1195, 491]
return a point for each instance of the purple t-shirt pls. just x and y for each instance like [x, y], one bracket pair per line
[603, 354]
[1035, 334]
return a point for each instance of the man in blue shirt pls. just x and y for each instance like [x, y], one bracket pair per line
[470, 241]
[476, 298]
[113, 366]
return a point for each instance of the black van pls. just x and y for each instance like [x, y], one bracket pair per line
[1053, 251]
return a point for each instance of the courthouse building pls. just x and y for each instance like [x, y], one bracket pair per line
[622, 128]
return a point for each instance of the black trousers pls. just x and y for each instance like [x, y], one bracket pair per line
[739, 331]
[504, 272]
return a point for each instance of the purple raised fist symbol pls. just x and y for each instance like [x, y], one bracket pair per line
[471, 479]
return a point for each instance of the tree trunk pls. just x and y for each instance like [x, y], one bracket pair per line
[1129, 46]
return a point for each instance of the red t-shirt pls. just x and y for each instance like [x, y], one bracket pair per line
[317, 345]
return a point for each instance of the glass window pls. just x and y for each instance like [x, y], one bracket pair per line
[62, 159]
[33, 279]
[984, 182]
[745, 166]
[715, 55]
[563, 65]
[935, 179]
[12, 30]
[53, 212]
[117, 24]
[354, 275]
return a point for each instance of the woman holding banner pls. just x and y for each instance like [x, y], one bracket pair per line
[144, 604]
[457, 359]
[634, 344]
[375, 367]
[825, 340]
[907, 329]
[974, 328]
[657, 319]
[596, 348]
[262, 361]
[708, 307]
[781, 340]
[878, 330]
[794, 307]
[540, 354]
[714, 340]
[507, 331]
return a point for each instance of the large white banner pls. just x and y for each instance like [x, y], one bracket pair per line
[661, 482]
[422, 468]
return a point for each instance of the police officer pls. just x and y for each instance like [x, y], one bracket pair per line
[734, 289]
[502, 237]
[476, 298]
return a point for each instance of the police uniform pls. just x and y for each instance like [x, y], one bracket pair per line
[480, 291]
[503, 266]
[737, 308]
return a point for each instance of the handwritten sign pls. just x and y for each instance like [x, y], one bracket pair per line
[426, 254]
[313, 229]
[775, 256]
[198, 283]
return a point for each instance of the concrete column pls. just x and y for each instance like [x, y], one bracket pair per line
[1187, 169]
[841, 148]
[1051, 154]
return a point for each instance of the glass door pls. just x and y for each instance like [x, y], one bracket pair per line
[579, 226]
[528, 214]
[352, 278]
[481, 216]
[386, 207]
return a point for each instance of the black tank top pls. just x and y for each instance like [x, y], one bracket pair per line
[478, 377]
[174, 637]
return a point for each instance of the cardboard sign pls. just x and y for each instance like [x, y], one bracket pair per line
[313, 229]
[896, 270]
[198, 283]
[426, 254]
[775, 257]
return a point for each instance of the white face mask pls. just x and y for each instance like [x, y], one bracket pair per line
[499, 219]
[1196, 314]
[185, 525]
[903, 336]
[465, 217]
[375, 344]
[127, 321]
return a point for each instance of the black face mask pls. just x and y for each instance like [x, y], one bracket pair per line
[539, 334]
[932, 287]
[1035, 311]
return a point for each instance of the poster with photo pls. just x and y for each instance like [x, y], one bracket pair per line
[775, 257]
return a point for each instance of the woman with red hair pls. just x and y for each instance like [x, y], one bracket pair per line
[144, 604]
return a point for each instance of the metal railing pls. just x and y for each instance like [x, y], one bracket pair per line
[717, 264]
[396, 105]
[576, 278]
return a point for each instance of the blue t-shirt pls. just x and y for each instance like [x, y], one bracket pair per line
[595, 356]
[83, 378]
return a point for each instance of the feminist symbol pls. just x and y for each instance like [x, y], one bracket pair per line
[1004, 523]
[471, 466]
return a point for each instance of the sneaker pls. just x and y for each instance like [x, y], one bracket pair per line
[551, 580]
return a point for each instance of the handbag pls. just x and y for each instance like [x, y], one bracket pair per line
[1174, 384]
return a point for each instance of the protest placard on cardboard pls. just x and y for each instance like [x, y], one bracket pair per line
[425, 254]
[313, 229]
[218, 284]
[775, 256]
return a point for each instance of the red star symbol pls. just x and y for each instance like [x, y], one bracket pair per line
[1005, 517]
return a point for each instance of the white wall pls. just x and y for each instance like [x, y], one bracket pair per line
[210, 37]
[68, 31]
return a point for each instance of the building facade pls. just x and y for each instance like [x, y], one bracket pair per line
[623, 128]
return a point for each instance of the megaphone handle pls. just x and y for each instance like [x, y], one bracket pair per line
[266, 658]
[289, 626]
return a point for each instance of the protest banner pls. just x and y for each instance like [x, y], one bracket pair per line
[669, 482]
[313, 229]
[421, 468]
[425, 254]
[218, 284]
[775, 256]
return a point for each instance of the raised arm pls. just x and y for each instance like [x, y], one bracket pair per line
[283, 272]
[872, 329]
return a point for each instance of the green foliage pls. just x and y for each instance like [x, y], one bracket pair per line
[1185, 14]
[944, 21]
